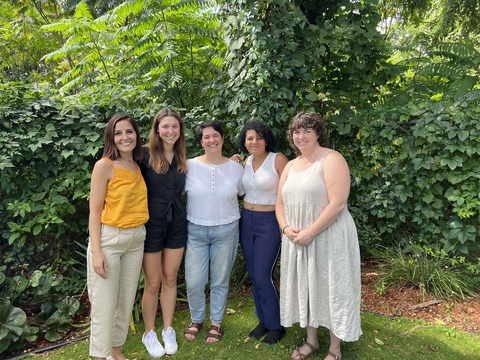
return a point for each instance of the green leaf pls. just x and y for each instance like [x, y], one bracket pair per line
[37, 229]
[12, 320]
[379, 342]
[311, 96]
[52, 335]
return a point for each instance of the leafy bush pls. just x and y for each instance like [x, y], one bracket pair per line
[432, 271]
[14, 328]
[42, 290]
[416, 173]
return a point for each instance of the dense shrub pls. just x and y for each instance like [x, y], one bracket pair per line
[415, 174]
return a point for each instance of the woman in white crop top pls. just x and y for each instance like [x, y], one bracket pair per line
[213, 184]
[259, 231]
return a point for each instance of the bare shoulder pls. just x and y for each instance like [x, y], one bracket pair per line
[280, 162]
[333, 159]
[104, 167]
[281, 158]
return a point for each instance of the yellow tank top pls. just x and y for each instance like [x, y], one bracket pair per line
[126, 203]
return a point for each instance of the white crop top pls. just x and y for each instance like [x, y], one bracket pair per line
[261, 186]
[212, 192]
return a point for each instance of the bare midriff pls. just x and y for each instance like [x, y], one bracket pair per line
[258, 207]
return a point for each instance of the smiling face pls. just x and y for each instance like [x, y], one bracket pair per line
[305, 139]
[125, 137]
[212, 140]
[255, 143]
[169, 130]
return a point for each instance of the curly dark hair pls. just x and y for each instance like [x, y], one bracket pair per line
[261, 128]
[308, 120]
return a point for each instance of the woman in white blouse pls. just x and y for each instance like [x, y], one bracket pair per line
[213, 185]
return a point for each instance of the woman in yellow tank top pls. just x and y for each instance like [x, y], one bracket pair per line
[118, 212]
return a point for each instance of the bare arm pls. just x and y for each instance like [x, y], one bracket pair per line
[337, 181]
[280, 162]
[102, 173]
[280, 208]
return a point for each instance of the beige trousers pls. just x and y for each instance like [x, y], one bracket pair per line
[112, 299]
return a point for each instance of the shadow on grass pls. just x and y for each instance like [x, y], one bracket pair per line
[383, 338]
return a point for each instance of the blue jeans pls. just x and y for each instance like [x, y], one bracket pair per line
[213, 247]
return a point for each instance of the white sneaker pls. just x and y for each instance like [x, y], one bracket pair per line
[170, 341]
[153, 346]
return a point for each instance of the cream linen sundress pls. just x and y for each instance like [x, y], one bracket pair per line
[319, 283]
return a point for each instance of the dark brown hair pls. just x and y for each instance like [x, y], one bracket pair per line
[110, 150]
[261, 128]
[211, 123]
[308, 120]
[158, 160]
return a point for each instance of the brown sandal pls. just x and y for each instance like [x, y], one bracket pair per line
[194, 333]
[332, 354]
[212, 335]
[301, 355]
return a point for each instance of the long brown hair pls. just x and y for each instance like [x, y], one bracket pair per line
[158, 160]
[110, 150]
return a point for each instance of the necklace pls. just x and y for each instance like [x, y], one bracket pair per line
[130, 161]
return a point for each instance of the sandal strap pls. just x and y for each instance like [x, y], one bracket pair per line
[312, 348]
[218, 329]
[305, 356]
[194, 333]
[195, 325]
[332, 354]
[211, 335]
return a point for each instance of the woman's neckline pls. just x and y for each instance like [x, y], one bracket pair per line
[220, 161]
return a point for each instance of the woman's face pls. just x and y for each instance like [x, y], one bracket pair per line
[212, 140]
[305, 139]
[255, 143]
[169, 129]
[125, 136]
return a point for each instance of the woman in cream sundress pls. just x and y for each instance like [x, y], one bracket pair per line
[320, 261]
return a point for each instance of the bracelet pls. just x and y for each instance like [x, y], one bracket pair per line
[283, 230]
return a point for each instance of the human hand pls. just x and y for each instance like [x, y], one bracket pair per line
[291, 233]
[99, 262]
[236, 158]
[303, 238]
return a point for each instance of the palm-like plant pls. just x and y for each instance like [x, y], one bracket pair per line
[159, 50]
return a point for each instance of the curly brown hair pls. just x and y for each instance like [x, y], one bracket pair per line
[308, 120]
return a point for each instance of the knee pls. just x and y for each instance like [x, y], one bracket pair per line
[169, 281]
[152, 286]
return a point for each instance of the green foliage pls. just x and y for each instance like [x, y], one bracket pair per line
[140, 51]
[283, 58]
[442, 17]
[14, 328]
[45, 171]
[23, 43]
[416, 173]
[44, 290]
[432, 271]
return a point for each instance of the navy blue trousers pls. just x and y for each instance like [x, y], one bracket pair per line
[260, 240]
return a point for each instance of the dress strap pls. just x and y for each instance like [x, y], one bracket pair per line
[323, 156]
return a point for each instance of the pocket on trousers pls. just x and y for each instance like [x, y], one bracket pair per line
[109, 235]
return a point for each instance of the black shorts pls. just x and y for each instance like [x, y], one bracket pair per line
[167, 226]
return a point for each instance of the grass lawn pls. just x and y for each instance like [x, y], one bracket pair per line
[382, 338]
